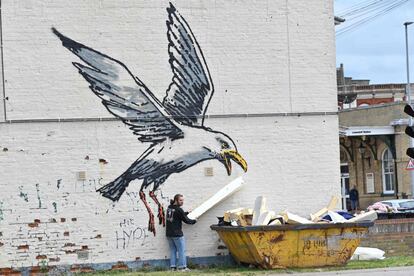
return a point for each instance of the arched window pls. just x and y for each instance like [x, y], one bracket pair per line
[387, 172]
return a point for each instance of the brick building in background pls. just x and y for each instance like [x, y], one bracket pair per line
[360, 93]
[372, 140]
[372, 149]
[58, 143]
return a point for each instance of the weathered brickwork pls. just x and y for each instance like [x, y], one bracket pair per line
[395, 237]
[265, 57]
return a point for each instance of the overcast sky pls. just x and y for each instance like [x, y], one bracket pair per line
[376, 50]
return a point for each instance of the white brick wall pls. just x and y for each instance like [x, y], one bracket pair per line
[264, 57]
[245, 43]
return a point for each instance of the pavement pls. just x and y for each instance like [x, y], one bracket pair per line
[390, 271]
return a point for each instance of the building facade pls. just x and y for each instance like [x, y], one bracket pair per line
[372, 150]
[59, 144]
[360, 93]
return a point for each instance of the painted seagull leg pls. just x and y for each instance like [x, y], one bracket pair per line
[161, 213]
[151, 224]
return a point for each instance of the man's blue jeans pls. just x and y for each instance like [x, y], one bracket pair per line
[177, 246]
[354, 204]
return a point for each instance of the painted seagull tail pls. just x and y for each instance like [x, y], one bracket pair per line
[114, 189]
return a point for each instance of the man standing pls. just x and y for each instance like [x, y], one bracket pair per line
[176, 241]
[354, 197]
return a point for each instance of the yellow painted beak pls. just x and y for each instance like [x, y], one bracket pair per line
[229, 155]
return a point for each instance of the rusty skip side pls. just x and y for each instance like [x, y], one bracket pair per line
[281, 246]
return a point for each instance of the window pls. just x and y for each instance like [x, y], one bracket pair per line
[370, 183]
[407, 204]
[387, 172]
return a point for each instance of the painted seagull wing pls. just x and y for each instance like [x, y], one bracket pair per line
[124, 95]
[191, 89]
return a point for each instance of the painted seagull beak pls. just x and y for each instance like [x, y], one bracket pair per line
[228, 155]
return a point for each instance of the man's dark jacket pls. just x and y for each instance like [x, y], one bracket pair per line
[353, 194]
[175, 217]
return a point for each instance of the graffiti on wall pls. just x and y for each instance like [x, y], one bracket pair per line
[129, 234]
[174, 127]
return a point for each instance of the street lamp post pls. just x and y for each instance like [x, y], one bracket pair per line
[408, 92]
[361, 150]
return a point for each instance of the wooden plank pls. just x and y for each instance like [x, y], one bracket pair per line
[222, 194]
[294, 219]
[315, 217]
[333, 203]
[330, 207]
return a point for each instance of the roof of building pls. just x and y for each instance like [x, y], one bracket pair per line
[366, 130]
[387, 114]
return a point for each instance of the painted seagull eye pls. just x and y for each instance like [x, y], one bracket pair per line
[224, 145]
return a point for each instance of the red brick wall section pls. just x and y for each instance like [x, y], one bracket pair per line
[374, 101]
[394, 236]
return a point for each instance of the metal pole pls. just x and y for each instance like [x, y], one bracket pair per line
[408, 91]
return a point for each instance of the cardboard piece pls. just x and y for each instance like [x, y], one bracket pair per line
[248, 219]
[247, 211]
[228, 213]
[222, 194]
[239, 218]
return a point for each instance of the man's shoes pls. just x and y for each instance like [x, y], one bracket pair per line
[173, 268]
[184, 269]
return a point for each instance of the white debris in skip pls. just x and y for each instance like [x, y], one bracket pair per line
[259, 208]
[265, 218]
[260, 216]
[336, 218]
[277, 221]
[368, 216]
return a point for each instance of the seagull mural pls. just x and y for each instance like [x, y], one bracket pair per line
[174, 128]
